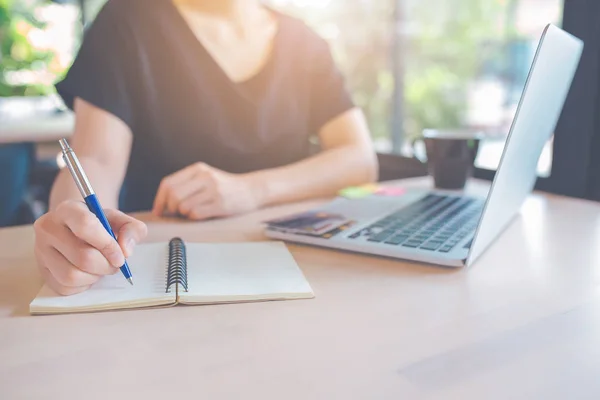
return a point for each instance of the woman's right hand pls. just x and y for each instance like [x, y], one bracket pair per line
[73, 250]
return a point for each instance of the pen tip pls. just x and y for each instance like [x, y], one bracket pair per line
[130, 280]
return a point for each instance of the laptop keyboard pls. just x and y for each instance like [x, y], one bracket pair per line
[434, 223]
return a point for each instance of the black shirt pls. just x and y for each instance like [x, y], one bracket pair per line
[141, 62]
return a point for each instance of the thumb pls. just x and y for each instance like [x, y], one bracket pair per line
[129, 231]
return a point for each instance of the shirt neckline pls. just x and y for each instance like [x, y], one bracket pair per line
[185, 26]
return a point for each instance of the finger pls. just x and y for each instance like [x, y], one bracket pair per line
[184, 190]
[57, 287]
[65, 273]
[203, 212]
[79, 253]
[187, 173]
[129, 231]
[87, 227]
[160, 201]
[204, 198]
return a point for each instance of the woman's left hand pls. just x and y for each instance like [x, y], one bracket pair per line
[201, 192]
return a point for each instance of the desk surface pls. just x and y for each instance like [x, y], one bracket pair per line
[523, 323]
[37, 129]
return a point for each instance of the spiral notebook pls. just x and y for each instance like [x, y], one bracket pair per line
[167, 274]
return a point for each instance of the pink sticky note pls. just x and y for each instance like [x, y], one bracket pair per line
[391, 191]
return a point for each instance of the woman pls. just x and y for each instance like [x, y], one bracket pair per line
[197, 108]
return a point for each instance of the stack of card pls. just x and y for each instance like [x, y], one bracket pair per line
[312, 223]
[325, 224]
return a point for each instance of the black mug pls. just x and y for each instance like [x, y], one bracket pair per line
[451, 156]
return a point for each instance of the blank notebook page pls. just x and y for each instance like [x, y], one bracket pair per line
[242, 272]
[148, 266]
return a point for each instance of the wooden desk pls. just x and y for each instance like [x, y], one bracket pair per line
[524, 323]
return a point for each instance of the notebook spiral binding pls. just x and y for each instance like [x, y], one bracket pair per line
[177, 267]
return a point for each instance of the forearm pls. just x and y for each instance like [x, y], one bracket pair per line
[322, 175]
[106, 189]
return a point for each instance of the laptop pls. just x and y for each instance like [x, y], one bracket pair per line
[453, 230]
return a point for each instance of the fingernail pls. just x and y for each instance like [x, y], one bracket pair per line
[129, 246]
[116, 259]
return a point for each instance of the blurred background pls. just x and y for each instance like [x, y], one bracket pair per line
[410, 64]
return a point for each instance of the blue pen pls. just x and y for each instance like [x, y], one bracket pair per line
[83, 184]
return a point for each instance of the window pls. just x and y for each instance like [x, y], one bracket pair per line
[417, 64]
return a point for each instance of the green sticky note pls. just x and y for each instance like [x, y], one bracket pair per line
[357, 192]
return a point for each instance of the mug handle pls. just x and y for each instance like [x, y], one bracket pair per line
[419, 139]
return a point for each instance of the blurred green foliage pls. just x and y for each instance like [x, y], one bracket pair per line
[17, 17]
[446, 56]
[444, 44]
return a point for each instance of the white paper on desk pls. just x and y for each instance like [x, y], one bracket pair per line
[148, 268]
[231, 272]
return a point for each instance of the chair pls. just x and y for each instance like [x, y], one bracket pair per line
[394, 167]
[16, 161]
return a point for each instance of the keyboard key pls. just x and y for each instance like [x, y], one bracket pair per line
[413, 243]
[446, 248]
[431, 246]
[462, 235]
[380, 237]
[398, 239]
[355, 235]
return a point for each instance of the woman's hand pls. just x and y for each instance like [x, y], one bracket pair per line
[201, 192]
[73, 250]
